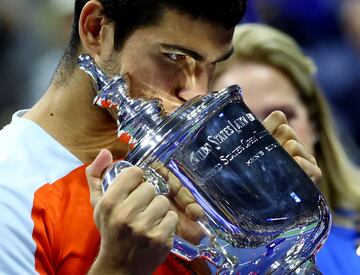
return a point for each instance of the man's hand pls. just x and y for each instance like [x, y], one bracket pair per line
[184, 203]
[276, 123]
[188, 210]
[136, 226]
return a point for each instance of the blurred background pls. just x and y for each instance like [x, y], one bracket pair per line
[33, 34]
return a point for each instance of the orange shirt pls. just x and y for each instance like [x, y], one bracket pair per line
[66, 238]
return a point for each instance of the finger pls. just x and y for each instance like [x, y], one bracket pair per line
[171, 179]
[101, 162]
[167, 227]
[274, 120]
[139, 199]
[313, 171]
[125, 183]
[161, 169]
[194, 211]
[128, 210]
[295, 148]
[94, 174]
[285, 133]
[183, 197]
[187, 227]
[155, 211]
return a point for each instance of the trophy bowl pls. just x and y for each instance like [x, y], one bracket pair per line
[263, 214]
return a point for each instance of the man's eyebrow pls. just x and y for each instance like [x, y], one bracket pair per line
[183, 50]
[194, 54]
[225, 56]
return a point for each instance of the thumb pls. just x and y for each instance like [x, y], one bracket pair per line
[94, 174]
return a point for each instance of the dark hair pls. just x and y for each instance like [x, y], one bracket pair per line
[128, 15]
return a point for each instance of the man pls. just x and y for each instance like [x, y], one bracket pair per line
[169, 50]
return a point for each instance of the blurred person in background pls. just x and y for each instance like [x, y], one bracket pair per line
[15, 54]
[322, 36]
[350, 22]
[276, 75]
[30, 50]
[51, 13]
[350, 19]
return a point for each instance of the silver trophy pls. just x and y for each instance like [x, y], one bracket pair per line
[263, 214]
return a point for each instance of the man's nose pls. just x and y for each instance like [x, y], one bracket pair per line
[197, 83]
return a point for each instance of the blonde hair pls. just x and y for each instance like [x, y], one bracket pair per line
[260, 43]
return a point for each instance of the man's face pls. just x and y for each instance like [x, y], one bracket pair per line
[173, 60]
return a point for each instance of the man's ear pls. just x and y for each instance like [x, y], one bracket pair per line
[91, 28]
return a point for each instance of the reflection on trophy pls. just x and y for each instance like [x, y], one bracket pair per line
[263, 214]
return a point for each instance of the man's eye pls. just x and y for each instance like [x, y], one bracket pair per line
[176, 56]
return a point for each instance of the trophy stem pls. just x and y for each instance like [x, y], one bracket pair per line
[136, 117]
[87, 64]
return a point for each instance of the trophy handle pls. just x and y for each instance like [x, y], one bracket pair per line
[161, 186]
